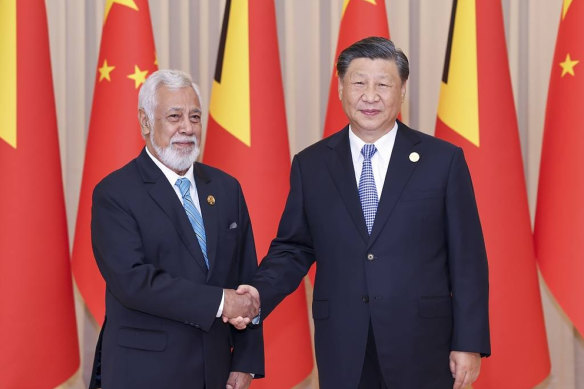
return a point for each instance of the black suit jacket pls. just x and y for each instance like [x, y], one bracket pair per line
[421, 278]
[161, 301]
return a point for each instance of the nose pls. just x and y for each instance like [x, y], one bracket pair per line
[370, 95]
[186, 127]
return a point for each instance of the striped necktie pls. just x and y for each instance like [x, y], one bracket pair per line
[193, 214]
[367, 189]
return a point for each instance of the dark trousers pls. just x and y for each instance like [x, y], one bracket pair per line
[371, 377]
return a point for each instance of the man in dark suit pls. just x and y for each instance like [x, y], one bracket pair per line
[389, 215]
[172, 238]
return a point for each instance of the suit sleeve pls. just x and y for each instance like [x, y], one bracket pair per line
[248, 344]
[467, 263]
[138, 285]
[291, 253]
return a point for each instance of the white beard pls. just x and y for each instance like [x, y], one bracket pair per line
[174, 159]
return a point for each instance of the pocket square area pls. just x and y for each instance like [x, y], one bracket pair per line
[233, 226]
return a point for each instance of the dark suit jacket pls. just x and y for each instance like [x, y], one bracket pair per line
[161, 301]
[421, 278]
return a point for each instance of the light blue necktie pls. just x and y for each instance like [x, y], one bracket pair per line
[367, 189]
[193, 214]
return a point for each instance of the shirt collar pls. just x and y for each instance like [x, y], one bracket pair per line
[384, 145]
[170, 174]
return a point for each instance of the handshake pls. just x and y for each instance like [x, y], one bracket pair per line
[240, 306]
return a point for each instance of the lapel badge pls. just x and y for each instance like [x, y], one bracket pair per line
[211, 200]
[414, 157]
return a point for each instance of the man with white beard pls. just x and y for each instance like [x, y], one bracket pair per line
[172, 239]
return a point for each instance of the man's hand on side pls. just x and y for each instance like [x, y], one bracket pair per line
[240, 307]
[238, 380]
[465, 368]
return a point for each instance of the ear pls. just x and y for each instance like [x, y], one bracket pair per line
[144, 122]
[340, 87]
[403, 91]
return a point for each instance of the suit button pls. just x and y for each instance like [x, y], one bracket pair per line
[370, 257]
[365, 299]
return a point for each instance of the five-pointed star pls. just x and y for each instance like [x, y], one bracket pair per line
[139, 76]
[568, 65]
[105, 70]
[127, 3]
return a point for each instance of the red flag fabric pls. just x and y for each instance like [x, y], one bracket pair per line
[247, 137]
[126, 58]
[360, 19]
[476, 111]
[38, 334]
[559, 221]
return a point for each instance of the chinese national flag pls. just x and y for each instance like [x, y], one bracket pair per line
[360, 19]
[559, 221]
[126, 58]
[247, 137]
[38, 334]
[476, 111]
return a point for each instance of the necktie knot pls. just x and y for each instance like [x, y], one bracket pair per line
[184, 185]
[368, 150]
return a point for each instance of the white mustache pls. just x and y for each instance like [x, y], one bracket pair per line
[183, 138]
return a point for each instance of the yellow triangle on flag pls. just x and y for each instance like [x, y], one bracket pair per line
[459, 102]
[8, 71]
[230, 96]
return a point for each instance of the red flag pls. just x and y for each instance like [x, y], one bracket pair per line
[361, 18]
[476, 111]
[38, 334]
[126, 58]
[247, 137]
[559, 221]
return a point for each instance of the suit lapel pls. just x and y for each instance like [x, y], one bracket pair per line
[209, 210]
[159, 189]
[340, 165]
[398, 174]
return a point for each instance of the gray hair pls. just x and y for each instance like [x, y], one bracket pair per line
[374, 47]
[172, 79]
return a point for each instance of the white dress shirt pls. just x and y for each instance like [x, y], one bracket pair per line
[379, 160]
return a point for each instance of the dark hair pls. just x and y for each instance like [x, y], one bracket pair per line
[374, 47]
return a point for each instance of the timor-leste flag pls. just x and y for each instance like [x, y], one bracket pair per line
[476, 112]
[38, 334]
[559, 220]
[360, 19]
[126, 58]
[247, 137]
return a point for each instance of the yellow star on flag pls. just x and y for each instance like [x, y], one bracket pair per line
[568, 65]
[127, 3]
[139, 76]
[105, 70]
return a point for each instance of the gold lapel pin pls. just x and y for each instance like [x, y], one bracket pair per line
[414, 157]
[211, 200]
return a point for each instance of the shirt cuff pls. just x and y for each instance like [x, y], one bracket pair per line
[220, 310]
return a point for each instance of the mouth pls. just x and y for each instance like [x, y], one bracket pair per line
[183, 144]
[369, 112]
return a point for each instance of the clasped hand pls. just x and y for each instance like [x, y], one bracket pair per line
[240, 306]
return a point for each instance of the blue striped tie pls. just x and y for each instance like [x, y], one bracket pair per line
[193, 214]
[367, 189]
